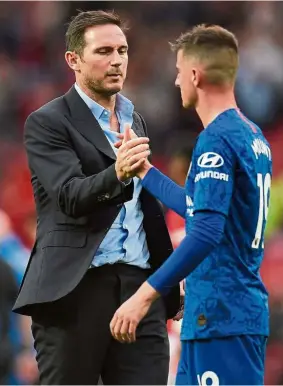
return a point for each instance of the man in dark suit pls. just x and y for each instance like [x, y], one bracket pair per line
[99, 234]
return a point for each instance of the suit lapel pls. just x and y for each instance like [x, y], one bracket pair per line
[86, 124]
[137, 125]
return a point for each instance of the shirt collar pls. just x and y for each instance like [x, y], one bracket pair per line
[123, 104]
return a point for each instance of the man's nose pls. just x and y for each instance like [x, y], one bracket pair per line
[116, 59]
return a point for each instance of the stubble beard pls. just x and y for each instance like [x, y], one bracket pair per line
[96, 87]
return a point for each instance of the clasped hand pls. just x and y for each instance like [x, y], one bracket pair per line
[132, 154]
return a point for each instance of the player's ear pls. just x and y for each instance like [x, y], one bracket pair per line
[195, 77]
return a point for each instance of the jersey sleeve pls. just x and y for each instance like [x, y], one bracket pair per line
[215, 163]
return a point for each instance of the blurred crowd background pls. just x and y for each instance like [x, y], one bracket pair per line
[33, 71]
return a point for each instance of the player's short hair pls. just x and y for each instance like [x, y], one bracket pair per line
[215, 47]
[75, 34]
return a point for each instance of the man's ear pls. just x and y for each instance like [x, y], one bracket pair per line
[73, 60]
[196, 77]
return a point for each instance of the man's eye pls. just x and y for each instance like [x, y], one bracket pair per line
[103, 51]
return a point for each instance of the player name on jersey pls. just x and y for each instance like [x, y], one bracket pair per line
[259, 147]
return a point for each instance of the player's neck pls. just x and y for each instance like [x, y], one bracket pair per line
[211, 104]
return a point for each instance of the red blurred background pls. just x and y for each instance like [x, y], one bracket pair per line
[33, 71]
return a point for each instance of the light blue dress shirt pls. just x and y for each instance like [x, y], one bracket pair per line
[125, 242]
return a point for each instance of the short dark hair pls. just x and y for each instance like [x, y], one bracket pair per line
[208, 36]
[75, 40]
[213, 44]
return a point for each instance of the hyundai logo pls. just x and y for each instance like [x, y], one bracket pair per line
[210, 160]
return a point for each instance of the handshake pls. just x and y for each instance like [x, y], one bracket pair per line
[132, 155]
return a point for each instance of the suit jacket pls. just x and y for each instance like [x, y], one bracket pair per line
[78, 196]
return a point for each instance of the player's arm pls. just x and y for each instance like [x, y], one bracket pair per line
[214, 182]
[205, 234]
[165, 190]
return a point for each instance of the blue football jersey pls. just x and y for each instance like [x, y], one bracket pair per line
[230, 173]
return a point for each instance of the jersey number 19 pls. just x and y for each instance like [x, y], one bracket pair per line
[263, 183]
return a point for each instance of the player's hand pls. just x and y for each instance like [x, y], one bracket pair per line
[180, 313]
[132, 134]
[131, 155]
[182, 288]
[139, 170]
[126, 319]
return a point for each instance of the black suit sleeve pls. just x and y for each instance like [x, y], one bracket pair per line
[53, 160]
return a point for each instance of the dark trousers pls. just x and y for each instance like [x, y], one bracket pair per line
[73, 340]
